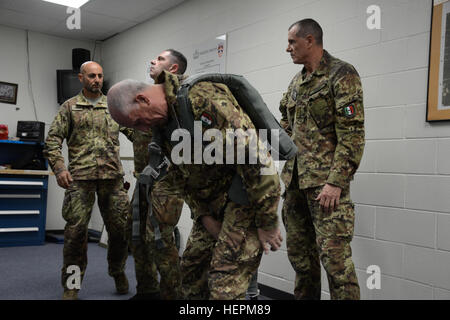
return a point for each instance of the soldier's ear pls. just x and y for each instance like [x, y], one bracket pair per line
[174, 68]
[142, 99]
[310, 40]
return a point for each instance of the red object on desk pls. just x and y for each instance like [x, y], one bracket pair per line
[3, 132]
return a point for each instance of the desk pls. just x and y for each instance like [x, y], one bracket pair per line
[23, 199]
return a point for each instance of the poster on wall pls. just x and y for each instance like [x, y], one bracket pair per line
[8, 92]
[438, 102]
[210, 56]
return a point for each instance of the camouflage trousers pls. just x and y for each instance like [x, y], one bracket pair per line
[222, 269]
[77, 207]
[148, 259]
[313, 235]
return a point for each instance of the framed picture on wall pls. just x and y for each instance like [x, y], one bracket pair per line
[8, 92]
[438, 101]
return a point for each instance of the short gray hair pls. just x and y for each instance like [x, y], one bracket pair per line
[309, 27]
[121, 95]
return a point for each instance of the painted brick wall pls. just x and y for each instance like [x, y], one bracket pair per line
[401, 190]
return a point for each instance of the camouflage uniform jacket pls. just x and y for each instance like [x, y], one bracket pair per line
[92, 139]
[204, 187]
[141, 141]
[324, 114]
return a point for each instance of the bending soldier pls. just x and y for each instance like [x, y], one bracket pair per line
[225, 245]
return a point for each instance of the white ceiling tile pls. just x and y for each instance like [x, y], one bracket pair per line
[100, 19]
[61, 31]
[26, 21]
[96, 22]
[93, 27]
[37, 8]
[118, 8]
[148, 15]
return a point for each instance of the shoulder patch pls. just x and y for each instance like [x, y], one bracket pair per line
[207, 119]
[349, 111]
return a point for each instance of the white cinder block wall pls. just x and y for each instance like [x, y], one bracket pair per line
[402, 189]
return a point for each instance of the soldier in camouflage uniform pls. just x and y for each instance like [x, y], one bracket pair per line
[225, 245]
[167, 208]
[94, 167]
[323, 112]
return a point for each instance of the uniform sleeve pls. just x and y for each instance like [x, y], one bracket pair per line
[349, 126]
[284, 122]
[263, 189]
[59, 130]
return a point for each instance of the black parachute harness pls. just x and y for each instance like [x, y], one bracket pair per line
[156, 168]
[250, 101]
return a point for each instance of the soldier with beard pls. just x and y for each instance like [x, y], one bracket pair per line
[92, 138]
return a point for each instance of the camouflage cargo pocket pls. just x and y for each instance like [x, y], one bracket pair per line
[238, 240]
[320, 106]
[337, 224]
[67, 208]
[167, 208]
[76, 209]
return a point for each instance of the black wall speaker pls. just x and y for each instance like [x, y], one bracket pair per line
[79, 56]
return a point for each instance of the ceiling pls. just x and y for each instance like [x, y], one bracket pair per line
[99, 19]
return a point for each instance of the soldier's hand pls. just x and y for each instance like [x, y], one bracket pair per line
[329, 198]
[64, 179]
[270, 238]
[212, 225]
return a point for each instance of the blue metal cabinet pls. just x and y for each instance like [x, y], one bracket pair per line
[23, 204]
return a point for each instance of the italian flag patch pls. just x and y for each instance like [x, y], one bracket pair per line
[207, 119]
[349, 111]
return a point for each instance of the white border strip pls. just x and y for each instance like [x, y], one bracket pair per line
[19, 229]
[14, 212]
[22, 183]
[20, 196]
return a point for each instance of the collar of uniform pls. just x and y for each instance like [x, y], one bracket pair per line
[323, 65]
[102, 103]
[171, 84]
[82, 101]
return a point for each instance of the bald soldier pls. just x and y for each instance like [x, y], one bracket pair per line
[92, 138]
[323, 112]
[227, 239]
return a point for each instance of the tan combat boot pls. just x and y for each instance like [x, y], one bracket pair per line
[70, 295]
[121, 283]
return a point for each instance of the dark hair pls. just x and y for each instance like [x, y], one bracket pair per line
[178, 58]
[309, 26]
